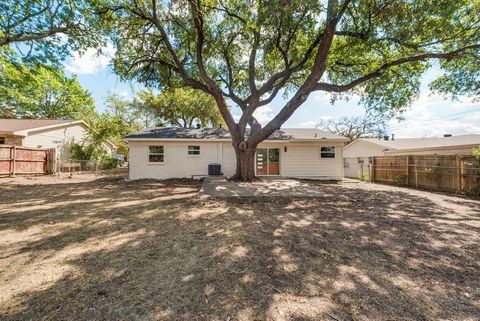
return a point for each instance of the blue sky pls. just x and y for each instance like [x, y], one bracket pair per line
[430, 115]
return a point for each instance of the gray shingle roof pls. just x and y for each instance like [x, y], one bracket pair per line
[223, 133]
[413, 143]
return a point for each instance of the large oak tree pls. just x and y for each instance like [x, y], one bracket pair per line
[248, 52]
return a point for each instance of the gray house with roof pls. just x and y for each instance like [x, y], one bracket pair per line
[173, 152]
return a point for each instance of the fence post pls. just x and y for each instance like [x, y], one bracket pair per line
[416, 175]
[96, 167]
[458, 165]
[407, 180]
[372, 177]
[14, 158]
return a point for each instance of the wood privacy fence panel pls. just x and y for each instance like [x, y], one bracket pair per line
[451, 173]
[24, 160]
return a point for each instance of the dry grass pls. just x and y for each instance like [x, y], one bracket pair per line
[109, 250]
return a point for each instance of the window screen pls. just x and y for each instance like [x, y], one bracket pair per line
[327, 152]
[156, 154]
[193, 150]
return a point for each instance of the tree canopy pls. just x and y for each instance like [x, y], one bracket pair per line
[370, 125]
[182, 107]
[41, 92]
[46, 30]
[250, 51]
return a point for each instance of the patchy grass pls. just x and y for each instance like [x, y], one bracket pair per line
[152, 250]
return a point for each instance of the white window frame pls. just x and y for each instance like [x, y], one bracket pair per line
[162, 153]
[322, 153]
[194, 150]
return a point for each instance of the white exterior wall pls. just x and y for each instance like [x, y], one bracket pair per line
[177, 163]
[58, 138]
[362, 148]
[353, 167]
[301, 160]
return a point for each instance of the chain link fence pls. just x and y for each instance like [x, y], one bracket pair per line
[96, 167]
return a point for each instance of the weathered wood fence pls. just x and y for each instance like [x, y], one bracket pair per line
[25, 160]
[450, 173]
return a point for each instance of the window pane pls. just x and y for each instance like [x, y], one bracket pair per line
[327, 152]
[155, 158]
[155, 149]
[330, 149]
[193, 150]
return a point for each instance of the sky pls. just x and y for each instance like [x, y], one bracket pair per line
[430, 115]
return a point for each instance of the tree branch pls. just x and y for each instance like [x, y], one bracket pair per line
[378, 72]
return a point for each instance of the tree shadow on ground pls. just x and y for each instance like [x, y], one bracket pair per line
[158, 251]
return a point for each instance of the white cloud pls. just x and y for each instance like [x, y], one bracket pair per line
[264, 114]
[90, 61]
[433, 116]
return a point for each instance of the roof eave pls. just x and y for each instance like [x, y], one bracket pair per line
[24, 132]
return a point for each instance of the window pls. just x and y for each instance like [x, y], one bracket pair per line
[327, 152]
[2, 140]
[156, 154]
[346, 164]
[193, 150]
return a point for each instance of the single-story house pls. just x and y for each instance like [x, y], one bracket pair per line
[173, 152]
[45, 133]
[358, 153]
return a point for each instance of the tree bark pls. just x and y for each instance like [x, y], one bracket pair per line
[245, 161]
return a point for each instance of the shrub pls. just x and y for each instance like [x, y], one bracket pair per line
[109, 162]
[401, 179]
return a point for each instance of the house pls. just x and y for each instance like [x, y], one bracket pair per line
[357, 154]
[178, 152]
[45, 133]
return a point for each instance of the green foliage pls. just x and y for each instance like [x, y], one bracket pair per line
[89, 152]
[401, 179]
[41, 91]
[45, 31]
[81, 151]
[476, 153]
[363, 177]
[182, 107]
[109, 162]
[379, 51]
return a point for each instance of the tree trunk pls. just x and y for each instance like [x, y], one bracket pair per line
[245, 167]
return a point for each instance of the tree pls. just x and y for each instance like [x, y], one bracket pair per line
[121, 117]
[41, 92]
[476, 153]
[182, 107]
[46, 30]
[250, 51]
[356, 127]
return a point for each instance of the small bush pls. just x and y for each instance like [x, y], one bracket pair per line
[109, 162]
[401, 179]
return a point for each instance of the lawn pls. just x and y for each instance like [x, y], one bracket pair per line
[85, 249]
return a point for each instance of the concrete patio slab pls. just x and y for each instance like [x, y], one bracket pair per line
[266, 187]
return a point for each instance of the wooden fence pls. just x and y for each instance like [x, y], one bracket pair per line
[25, 160]
[450, 173]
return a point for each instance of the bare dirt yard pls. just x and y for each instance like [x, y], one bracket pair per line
[104, 249]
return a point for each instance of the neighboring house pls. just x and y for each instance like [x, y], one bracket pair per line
[358, 152]
[178, 152]
[45, 133]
